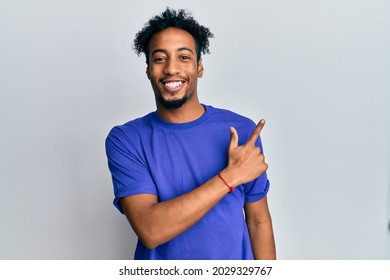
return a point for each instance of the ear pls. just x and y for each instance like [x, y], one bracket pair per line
[147, 72]
[200, 68]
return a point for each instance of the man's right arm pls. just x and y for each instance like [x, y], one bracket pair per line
[158, 222]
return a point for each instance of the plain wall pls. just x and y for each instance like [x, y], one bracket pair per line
[318, 71]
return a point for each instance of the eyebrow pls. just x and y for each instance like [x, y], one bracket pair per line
[179, 49]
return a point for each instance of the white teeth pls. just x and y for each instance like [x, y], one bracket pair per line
[173, 84]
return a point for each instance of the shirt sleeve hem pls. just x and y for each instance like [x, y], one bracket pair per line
[259, 196]
[119, 196]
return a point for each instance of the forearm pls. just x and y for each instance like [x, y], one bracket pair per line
[160, 222]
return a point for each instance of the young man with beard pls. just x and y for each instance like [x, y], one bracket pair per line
[189, 177]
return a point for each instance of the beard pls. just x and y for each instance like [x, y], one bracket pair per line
[173, 104]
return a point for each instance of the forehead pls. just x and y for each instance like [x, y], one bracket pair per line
[172, 38]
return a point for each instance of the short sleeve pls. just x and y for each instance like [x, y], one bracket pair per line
[129, 171]
[257, 189]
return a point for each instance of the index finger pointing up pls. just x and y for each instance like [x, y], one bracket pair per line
[256, 132]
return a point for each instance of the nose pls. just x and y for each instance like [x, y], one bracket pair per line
[172, 67]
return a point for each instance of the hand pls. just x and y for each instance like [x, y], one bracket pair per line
[246, 162]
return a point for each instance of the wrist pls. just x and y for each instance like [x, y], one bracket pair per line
[231, 188]
[230, 178]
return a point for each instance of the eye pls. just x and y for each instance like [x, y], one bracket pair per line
[159, 59]
[185, 57]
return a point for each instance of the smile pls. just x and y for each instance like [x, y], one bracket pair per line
[173, 85]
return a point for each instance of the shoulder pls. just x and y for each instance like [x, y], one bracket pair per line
[233, 118]
[131, 130]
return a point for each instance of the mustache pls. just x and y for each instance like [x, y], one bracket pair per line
[172, 78]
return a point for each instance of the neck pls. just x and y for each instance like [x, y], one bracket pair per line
[189, 112]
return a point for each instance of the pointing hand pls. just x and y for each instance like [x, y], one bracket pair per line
[246, 162]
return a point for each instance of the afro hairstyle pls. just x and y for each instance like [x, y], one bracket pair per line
[171, 18]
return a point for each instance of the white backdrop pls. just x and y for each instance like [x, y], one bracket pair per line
[318, 71]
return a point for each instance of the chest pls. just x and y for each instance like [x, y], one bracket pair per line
[180, 161]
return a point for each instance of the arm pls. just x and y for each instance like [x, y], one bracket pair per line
[158, 222]
[260, 229]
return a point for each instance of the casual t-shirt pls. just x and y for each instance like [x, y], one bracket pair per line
[151, 156]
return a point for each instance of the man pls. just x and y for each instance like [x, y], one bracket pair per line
[184, 174]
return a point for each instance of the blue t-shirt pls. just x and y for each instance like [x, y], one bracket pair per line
[151, 156]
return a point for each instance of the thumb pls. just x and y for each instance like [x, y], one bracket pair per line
[233, 139]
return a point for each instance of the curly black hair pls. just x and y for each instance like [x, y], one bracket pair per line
[171, 18]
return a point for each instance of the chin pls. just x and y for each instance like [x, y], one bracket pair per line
[173, 104]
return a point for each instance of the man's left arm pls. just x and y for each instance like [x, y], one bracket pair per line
[261, 234]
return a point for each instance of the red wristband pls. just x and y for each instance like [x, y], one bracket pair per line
[230, 187]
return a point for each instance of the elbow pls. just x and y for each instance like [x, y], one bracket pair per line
[149, 243]
[151, 239]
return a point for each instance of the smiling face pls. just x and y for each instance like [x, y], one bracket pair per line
[173, 67]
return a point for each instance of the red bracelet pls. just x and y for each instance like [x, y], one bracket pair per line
[230, 187]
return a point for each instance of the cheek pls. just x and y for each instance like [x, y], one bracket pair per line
[154, 76]
[193, 71]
